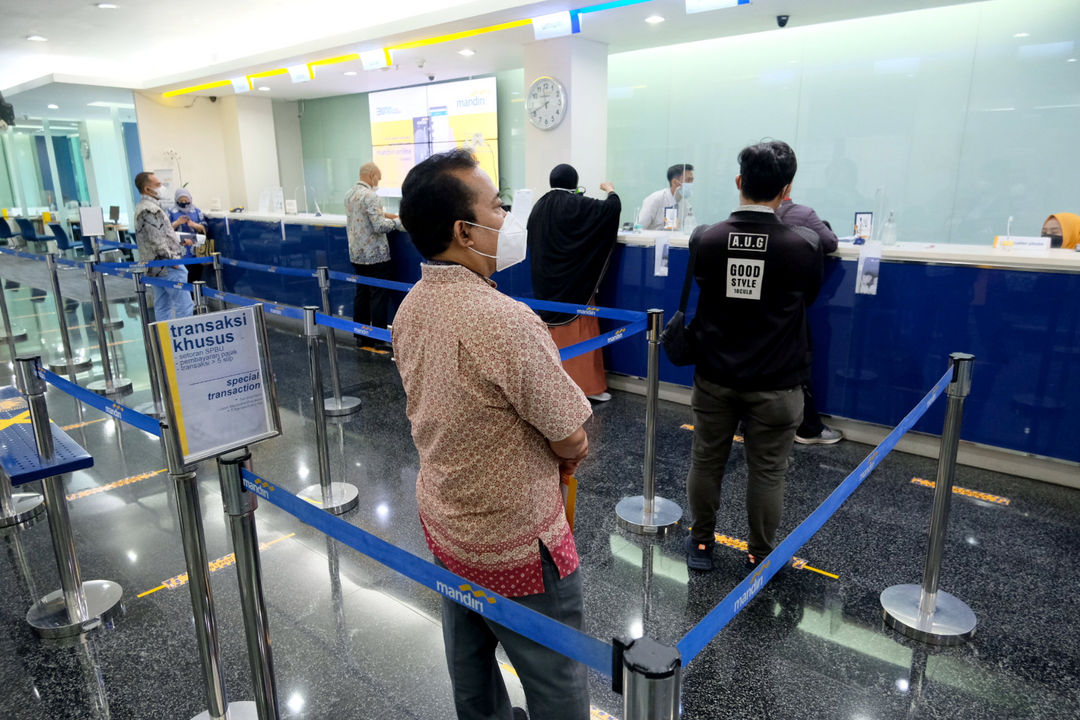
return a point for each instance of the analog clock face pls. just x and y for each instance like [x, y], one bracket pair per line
[546, 103]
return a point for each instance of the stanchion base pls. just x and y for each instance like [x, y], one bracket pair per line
[18, 334]
[150, 409]
[346, 406]
[49, 617]
[112, 324]
[79, 363]
[631, 515]
[951, 623]
[24, 506]
[120, 386]
[244, 710]
[343, 497]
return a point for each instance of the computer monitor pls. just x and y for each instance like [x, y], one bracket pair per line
[114, 213]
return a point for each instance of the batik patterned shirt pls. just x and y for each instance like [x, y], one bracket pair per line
[366, 226]
[154, 235]
[485, 393]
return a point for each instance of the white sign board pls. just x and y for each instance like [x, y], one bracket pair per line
[217, 382]
[91, 222]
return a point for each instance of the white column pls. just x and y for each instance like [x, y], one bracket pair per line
[581, 139]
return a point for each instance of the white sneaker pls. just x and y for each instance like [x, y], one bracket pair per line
[601, 397]
[828, 436]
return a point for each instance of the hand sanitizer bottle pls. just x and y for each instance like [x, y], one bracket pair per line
[888, 231]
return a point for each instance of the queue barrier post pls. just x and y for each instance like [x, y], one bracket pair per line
[647, 514]
[647, 674]
[220, 282]
[925, 612]
[11, 336]
[335, 405]
[109, 385]
[197, 297]
[240, 506]
[77, 607]
[154, 408]
[334, 497]
[107, 320]
[72, 364]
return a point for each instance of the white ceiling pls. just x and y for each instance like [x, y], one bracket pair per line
[155, 47]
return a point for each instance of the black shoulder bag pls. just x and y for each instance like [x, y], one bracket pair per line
[677, 339]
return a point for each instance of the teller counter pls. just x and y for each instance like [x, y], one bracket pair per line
[1017, 311]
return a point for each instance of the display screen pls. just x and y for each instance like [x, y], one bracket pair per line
[410, 124]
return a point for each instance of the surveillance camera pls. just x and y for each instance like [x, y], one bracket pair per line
[781, 20]
[431, 77]
[213, 98]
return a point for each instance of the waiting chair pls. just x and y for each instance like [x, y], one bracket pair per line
[5, 231]
[29, 234]
[67, 248]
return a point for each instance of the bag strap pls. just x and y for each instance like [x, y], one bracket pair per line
[685, 298]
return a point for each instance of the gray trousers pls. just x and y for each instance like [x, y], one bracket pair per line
[771, 419]
[556, 688]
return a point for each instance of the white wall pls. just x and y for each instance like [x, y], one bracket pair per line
[193, 128]
[289, 149]
[253, 118]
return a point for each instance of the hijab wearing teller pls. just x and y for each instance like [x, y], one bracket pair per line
[1063, 227]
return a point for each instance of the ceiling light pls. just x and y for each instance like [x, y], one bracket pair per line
[107, 104]
[466, 52]
[1022, 35]
[36, 38]
[1071, 60]
[54, 107]
[106, 6]
[350, 73]
[654, 19]
[264, 88]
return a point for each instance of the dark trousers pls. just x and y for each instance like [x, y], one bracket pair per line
[371, 305]
[771, 417]
[556, 688]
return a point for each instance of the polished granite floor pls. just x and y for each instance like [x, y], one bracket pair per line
[351, 639]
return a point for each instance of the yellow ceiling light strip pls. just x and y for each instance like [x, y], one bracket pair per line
[459, 35]
[197, 88]
[331, 61]
[268, 73]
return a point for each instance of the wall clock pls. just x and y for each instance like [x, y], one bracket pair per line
[545, 104]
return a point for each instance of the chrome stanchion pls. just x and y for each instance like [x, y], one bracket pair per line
[647, 513]
[107, 320]
[218, 278]
[336, 405]
[202, 602]
[11, 335]
[155, 407]
[72, 364]
[198, 299]
[240, 506]
[649, 682]
[109, 385]
[334, 497]
[926, 612]
[17, 508]
[76, 607]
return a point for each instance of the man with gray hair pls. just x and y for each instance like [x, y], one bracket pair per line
[369, 250]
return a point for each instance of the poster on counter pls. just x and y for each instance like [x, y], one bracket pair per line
[866, 276]
[218, 386]
[660, 259]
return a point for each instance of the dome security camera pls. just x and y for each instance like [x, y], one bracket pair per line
[781, 20]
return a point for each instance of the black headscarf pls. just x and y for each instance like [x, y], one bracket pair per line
[570, 239]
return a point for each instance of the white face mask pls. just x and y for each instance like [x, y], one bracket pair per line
[512, 245]
[687, 190]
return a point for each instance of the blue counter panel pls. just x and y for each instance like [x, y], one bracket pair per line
[875, 355]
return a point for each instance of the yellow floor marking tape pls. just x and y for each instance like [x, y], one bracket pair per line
[70, 327]
[596, 714]
[373, 350]
[215, 565]
[736, 438]
[33, 315]
[996, 499]
[113, 485]
[796, 562]
[120, 342]
[76, 426]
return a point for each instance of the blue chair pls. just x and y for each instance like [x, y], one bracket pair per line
[5, 231]
[27, 232]
[67, 249]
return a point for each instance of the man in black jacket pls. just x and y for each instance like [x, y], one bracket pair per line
[757, 277]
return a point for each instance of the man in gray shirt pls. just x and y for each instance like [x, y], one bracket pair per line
[157, 240]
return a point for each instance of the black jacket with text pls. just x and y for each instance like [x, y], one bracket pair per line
[757, 278]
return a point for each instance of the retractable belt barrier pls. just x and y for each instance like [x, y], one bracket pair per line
[709, 626]
[337, 323]
[374, 282]
[20, 253]
[155, 263]
[102, 403]
[147, 280]
[272, 269]
[572, 643]
[115, 244]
